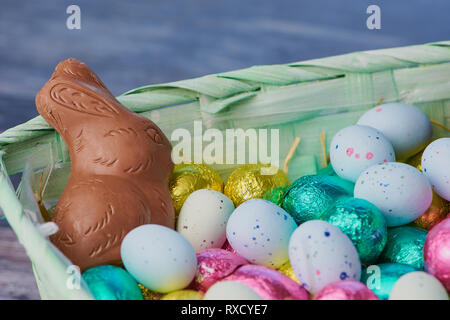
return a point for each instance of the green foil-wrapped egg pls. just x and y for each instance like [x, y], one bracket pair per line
[405, 245]
[310, 196]
[363, 223]
[381, 278]
[111, 283]
[276, 195]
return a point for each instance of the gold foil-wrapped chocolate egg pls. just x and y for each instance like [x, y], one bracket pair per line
[253, 181]
[183, 295]
[149, 294]
[187, 178]
[286, 269]
[437, 212]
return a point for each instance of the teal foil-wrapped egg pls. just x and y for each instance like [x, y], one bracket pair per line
[111, 283]
[382, 277]
[363, 223]
[405, 245]
[310, 196]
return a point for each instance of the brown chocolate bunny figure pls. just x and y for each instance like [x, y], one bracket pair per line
[120, 164]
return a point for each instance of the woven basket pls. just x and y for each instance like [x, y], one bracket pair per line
[302, 99]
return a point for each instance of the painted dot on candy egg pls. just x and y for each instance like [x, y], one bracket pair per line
[369, 155]
[343, 276]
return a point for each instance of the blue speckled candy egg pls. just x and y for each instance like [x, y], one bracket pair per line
[310, 196]
[356, 148]
[320, 253]
[259, 231]
[436, 166]
[111, 283]
[400, 191]
[406, 126]
[159, 258]
[381, 278]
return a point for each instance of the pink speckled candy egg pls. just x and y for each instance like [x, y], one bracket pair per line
[436, 166]
[268, 283]
[356, 148]
[437, 252]
[213, 265]
[346, 290]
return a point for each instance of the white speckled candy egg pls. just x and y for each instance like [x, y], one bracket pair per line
[418, 285]
[356, 148]
[203, 219]
[259, 231]
[406, 126]
[400, 191]
[436, 166]
[159, 258]
[230, 290]
[320, 253]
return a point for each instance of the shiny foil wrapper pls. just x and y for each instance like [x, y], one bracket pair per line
[345, 290]
[268, 283]
[310, 196]
[149, 294]
[183, 295]
[187, 178]
[276, 195]
[227, 246]
[363, 223]
[213, 265]
[382, 277]
[405, 246]
[287, 270]
[437, 252]
[253, 181]
[437, 212]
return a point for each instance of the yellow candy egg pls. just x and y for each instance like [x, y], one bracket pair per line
[187, 178]
[253, 181]
[183, 295]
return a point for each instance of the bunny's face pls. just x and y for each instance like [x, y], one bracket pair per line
[104, 137]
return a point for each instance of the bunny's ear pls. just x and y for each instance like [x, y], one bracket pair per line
[76, 97]
[76, 87]
[77, 70]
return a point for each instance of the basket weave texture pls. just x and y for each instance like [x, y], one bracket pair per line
[301, 99]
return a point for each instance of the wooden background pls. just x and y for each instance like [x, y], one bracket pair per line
[134, 43]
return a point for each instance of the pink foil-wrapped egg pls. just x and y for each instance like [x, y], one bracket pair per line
[345, 290]
[213, 265]
[437, 252]
[268, 283]
[227, 246]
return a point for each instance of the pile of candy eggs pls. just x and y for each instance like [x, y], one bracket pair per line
[375, 227]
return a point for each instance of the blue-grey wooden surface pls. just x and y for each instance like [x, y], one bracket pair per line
[133, 43]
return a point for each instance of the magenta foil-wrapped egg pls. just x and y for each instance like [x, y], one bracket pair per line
[213, 265]
[345, 290]
[268, 283]
[227, 246]
[437, 252]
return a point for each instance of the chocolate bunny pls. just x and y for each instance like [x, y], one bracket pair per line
[120, 165]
